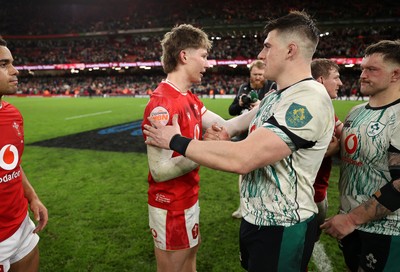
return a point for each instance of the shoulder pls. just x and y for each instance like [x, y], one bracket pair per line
[5, 106]
[310, 91]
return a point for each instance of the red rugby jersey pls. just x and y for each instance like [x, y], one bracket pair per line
[182, 192]
[13, 204]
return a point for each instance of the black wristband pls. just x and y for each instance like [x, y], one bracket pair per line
[389, 197]
[179, 144]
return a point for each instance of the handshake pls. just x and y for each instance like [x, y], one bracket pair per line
[216, 133]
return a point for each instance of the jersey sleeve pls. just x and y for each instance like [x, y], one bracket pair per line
[395, 137]
[303, 117]
[158, 109]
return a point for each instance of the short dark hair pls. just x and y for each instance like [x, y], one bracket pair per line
[2, 42]
[390, 50]
[296, 22]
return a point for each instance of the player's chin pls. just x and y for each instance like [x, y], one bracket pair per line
[198, 80]
[13, 89]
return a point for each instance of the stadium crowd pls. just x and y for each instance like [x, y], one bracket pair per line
[96, 16]
[77, 34]
[234, 44]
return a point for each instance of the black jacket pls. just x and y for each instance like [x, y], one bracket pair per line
[235, 109]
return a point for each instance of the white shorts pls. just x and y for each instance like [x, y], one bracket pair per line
[20, 244]
[175, 230]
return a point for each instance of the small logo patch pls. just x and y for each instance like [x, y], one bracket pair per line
[160, 114]
[371, 261]
[195, 231]
[374, 128]
[297, 116]
[351, 143]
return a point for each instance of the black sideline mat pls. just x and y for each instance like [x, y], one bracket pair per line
[120, 138]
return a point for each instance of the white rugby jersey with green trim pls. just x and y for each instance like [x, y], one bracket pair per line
[366, 136]
[281, 194]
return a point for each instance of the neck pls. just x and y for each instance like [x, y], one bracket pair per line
[286, 83]
[385, 97]
[179, 82]
[293, 74]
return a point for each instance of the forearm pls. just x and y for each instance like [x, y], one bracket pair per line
[379, 206]
[368, 211]
[262, 147]
[240, 123]
[219, 155]
[164, 167]
[29, 192]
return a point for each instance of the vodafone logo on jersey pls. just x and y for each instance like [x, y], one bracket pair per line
[351, 143]
[9, 157]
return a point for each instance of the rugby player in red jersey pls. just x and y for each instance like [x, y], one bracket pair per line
[19, 250]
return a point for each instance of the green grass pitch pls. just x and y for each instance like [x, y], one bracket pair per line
[97, 200]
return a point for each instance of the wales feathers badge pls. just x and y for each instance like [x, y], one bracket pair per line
[297, 116]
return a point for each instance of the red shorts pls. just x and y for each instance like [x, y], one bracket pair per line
[175, 230]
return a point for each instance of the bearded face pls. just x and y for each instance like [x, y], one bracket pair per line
[257, 78]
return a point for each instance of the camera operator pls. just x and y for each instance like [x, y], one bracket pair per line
[257, 85]
[249, 93]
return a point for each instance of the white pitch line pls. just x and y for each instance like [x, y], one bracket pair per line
[87, 115]
[321, 260]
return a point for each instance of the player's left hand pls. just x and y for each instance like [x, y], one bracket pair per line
[40, 214]
[333, 147]
[339, 226]
[160, 135]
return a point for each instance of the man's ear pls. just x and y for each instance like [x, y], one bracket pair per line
[182, 56]
[396, 74]
[292, 50]
[320, 79]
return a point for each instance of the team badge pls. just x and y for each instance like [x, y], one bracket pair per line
[374, 128]
[297, 116]
[195, 231]
[16, 127]
[160, 114]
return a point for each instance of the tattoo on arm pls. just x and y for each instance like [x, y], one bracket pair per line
[375, 209]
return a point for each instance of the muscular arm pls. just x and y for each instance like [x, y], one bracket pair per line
[341, 225]
[163, 167]
[262, 147]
